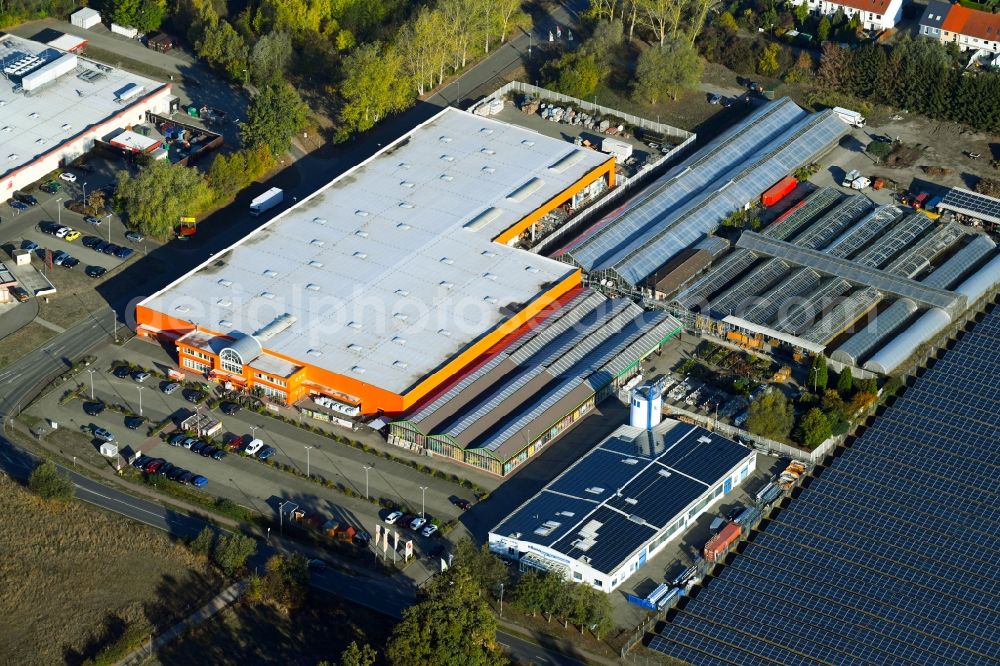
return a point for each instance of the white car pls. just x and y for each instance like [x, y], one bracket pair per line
[417, 523]
[253, 447]
[393, 517]
[61, 232]
[68, 177]
[170, 388]
[429, 531]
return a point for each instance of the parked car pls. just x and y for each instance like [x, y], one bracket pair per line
[186, 477]
[418, 522]
[111, 248]
[193, 395]
[95, 271]
[90, 219]
[141, 461]
[198, 446]
[17, 205]
[253, 447]
[165, 468]
[20, 294]
[72, 235]
[175, 473]
[316, 564]
[462, 504]
[134, 422]
[234, 442]
[68, 177]
[124, 252]
[199, 481]
[393, 517]
[219, 454]
[70, 262]
[29, 245]
[121, 371]
[59, 257]
[266, 453]
[100, 246]
[90, 241]
[208, 451]
[134, 236]
[177, 440]
[93, 408]
[189, 442]
[429, 530]
[61, 232]
[170, 388]
[26, 199]
[102, 434]
[714, 98]
[153, 465]
[229, 408]
[51, 187]
[140, 376]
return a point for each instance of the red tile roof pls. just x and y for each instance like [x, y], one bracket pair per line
[874, 6]
[972, 23]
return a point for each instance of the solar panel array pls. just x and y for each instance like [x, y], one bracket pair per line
[971, 203]
[889, 555]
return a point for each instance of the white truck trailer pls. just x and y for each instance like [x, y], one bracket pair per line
[620, 149]
[267, 201]
[852, 118]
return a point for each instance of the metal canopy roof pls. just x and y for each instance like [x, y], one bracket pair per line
[854, 272]
[973, 204]
[620, 494]
[384, 278]
[886, 558]
[31, 125]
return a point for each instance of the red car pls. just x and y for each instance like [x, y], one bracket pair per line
[234, 442]
[154, 465]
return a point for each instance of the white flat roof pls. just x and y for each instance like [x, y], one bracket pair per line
[67, 42]
[134, 141]
[31, 125]
[389, 271]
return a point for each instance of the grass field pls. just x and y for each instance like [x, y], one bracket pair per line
[72, 576]
[259, 634]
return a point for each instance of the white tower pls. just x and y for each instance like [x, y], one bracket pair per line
[646, 406]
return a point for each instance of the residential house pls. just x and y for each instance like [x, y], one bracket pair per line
[969, 28]
[873, 14]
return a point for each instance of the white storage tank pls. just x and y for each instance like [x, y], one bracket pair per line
[647, 406]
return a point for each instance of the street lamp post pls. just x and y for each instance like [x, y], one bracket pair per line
[91, 371]
[269, 535]
[109, 227]
[308, 475]
[253, 430]
[140, 398]
[366, 468]
[423, 491]
[501, 599]
[59, 211]
[85, 193]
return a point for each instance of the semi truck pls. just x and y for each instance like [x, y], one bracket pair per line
[267, 201]
[852, 118]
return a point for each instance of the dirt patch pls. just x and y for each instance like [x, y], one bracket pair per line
[259, 634]
[66, 568]
[23, 341]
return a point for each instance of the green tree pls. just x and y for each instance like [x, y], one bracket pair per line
[275, 115]
[358, 655]
[375, 85]
[224, 48]
[575, 74]
[232, 173]
[159, 195]
[814, 428]
[49, 483]
[529, 593]
[869, 385]
[727, 22]
[204, 542]
[450, 626]
[801, 13]
[768, 64]
[284, 583]
[270, 57]
[819, 374]
[845, 383]
[232, 552]
[667, 70]
[823, 29]
[771, 415]
[144, 15]
[485, 568]
[600, 613]
[879, 149]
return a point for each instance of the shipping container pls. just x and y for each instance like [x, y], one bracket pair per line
[779, 191]
[721, 541]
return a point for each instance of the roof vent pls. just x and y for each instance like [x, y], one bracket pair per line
[404, 165]
[67, 127]
[490, 299]
[403, 226]
[401, 316]
[312, 286]
[358, 370]
[488, 169]
[531, 269]
[665, 473]
[447, 260]
[316, 264]
[490, 276]
[224, 302]
[319, 220]
[355, 347]
[182, 308]
[402, 292]
[271, 273]
[547, 528]
[488, 151]
[39, 141]
[405, 204]
[704, 440]
[361, 213]
[12, 157]
[630, 461]
[33, 114]
[595, 490]
[528, 142]
[406, 183]
[225, 283]
[398, 340]
[266, 294]
[362, 233]
[448, 158]
[488, 253]
[355, 325]
[317, 242]
[637, 519]
[486, 130]
[314, 352]
[447, 177]
[225, 323]
[445, 139]
[399, 364]
[631, 500]
[445, 332]
[361, 255]
[446, 284]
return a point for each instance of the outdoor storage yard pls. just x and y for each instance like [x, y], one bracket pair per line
[73, 577]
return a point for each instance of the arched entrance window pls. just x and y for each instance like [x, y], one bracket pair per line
[231, 361]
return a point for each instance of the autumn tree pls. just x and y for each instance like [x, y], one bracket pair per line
[375, 86]
[666, 71]
[662, 17]
[358, 655]
[767, 64]
[771, 415]
[270, 57]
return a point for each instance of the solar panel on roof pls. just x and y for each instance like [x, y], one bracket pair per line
[971, 203]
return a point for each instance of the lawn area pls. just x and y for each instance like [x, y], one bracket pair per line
[71, 577]
[24, 340]
[259, 634]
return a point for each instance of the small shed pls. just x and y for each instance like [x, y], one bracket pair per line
[85, 18]
[202, 425]
[109, 450]
[68, 43]
[161, 42]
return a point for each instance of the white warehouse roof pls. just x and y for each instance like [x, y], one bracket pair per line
[390, 270]
[56, 110]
